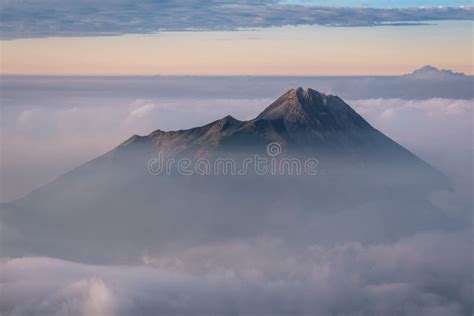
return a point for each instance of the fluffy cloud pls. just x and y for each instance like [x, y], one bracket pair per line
[32, 18]
[428, 274]
[437, 129]
[141, 109]
[432, 107]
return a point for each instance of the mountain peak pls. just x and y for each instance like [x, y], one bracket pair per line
[304, 93]
[302, 117]
[294, 105]
[229, 119]
[431, 72]
[310, 108]
[227, 123]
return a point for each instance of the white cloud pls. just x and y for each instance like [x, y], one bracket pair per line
[29, 18]
[387, 114]
[87, 297]
[25, 116]
[433, 106]
[439, 130]
[428, 274]
[140, 108]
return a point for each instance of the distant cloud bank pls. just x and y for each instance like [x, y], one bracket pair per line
[33, 18]
[427, 274]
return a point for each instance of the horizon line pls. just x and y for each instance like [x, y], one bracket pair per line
[210, 76]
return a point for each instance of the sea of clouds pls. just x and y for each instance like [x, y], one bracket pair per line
[425, 274]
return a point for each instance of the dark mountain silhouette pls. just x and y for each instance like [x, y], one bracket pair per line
[112, 208]
[301, 120]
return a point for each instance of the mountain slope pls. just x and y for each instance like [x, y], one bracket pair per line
[119, 210]
[301, 121]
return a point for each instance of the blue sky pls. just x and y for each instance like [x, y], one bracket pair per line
[48, 18]
[381, 3]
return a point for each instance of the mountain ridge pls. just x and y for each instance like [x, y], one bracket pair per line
[301, 120]
[340, 149]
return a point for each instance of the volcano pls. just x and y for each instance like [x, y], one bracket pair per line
[114, 202]
[301, 121]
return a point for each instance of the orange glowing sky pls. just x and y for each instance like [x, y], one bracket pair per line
[303, 50]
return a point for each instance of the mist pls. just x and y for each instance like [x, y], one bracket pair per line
[427, 274]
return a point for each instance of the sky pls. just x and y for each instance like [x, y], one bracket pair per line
[229, 37]
[381, 3]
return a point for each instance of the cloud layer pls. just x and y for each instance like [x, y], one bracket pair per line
[428, 274]
[33, 18]
[437, 129]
